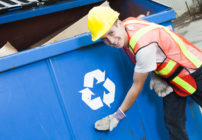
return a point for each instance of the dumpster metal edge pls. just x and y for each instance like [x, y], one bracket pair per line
[44, 52]
[44, 10]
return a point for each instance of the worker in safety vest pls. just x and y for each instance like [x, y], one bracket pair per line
[175, 63]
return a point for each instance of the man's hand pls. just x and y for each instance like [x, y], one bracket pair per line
[160, 86]
[109, 122]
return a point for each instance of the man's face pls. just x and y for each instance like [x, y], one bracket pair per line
[116, 36]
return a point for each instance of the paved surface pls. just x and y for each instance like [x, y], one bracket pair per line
[190, 28]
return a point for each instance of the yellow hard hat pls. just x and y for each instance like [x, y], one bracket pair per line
[100, 20]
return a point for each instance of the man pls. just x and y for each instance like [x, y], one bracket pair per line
[152, 48]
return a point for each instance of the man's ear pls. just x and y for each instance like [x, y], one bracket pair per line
[118, 23]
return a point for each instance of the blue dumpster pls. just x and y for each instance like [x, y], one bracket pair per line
[59, 90]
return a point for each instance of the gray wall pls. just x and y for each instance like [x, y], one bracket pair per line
[180, 7]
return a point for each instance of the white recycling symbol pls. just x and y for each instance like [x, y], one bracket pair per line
[97, 103]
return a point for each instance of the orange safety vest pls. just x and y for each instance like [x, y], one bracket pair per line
[180, 53]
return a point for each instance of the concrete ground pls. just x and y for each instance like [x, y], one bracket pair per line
[191, 28]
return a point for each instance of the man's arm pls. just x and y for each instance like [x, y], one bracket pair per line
[111, 121]
[136, 88]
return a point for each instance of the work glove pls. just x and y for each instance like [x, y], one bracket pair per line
[110, 122]
[160, 86]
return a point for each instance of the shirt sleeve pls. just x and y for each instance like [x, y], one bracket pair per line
[146, 59]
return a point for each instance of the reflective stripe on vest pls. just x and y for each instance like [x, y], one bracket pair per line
[167, 69]
[192, 58]
[140, 33]
[184, 84]
[177, 80]
[131, 50]
[134, 21]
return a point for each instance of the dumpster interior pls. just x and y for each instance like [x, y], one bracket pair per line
[24, 33]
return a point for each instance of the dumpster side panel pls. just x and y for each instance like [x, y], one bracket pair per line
[29, 107]
[49, 102]
[71, 68]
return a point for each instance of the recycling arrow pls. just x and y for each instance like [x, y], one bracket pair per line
[97, 103]
[109, 98]
[89, 78]
[86, 97]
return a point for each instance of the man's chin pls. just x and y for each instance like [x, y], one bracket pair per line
[119, 46]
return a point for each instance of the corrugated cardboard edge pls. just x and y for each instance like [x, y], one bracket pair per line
[7, 49]
[77, 28]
